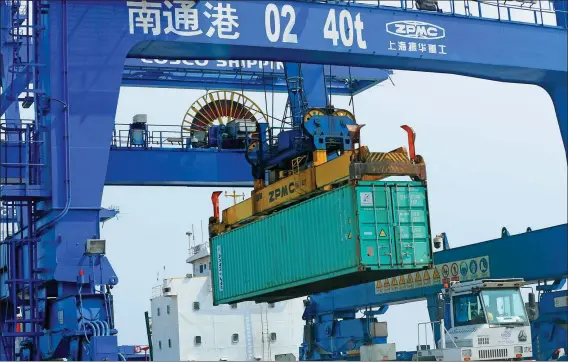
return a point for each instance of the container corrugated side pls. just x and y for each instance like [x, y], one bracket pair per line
[289, 247]
[315, 246]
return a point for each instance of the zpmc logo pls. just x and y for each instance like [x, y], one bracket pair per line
[415, 30]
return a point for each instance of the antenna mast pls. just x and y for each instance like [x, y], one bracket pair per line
[234, 196]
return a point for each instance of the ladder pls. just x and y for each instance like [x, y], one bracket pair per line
[265, 332]
[249, 338]
[20, 167]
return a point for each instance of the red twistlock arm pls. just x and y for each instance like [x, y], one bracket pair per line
[215, 199]
[411, 139]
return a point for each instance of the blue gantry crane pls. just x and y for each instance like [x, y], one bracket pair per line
[66, 60]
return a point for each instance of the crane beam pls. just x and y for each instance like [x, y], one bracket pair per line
[533, 256]
[178, 167]
[249, 75]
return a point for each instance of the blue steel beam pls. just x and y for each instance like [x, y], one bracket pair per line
[250, 75]
[178, 167]
[247, 75]
[549, 331]
[533, 256]
[458, 51]
[185, 74]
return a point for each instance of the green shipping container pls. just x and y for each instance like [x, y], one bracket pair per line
[352, 235]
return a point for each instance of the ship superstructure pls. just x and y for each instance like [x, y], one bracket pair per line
[187, 327]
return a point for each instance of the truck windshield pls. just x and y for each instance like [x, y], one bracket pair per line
[468, 310]
[504, 306]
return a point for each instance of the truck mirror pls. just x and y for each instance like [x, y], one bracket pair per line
[532, 307]
[440, 310]
[532, 302]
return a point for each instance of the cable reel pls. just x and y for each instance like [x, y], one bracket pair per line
[215, 109]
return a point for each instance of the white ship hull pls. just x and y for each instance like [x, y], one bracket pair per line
[187, 327]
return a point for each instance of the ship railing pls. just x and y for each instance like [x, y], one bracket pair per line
[197, 248]
[157, 291]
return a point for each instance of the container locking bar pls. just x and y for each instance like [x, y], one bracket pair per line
[381, 169]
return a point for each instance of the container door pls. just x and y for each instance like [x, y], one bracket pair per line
[375, 225]
[410, 214]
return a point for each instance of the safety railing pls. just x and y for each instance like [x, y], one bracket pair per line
[154, 136]
[157, 291]
[195, 249]
[8, 223]
[429, 337]
[178, 71]
[164, 289]
[20, 160]
[158, 137]
[536, 12]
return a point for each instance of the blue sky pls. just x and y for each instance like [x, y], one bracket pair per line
[494, 158]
